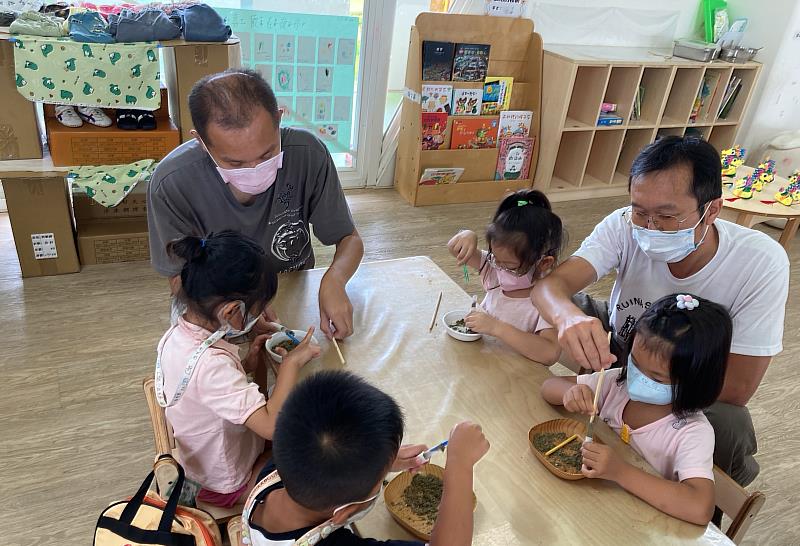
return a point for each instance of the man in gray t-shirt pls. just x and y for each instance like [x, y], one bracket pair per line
[243, 172]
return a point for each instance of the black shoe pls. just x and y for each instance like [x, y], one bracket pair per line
[146, 121]
[127, 120]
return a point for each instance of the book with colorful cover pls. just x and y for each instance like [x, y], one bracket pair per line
[496, 94]
[474, 132]
[514, 158]
[470, 62]
[434, 131]
[609, 119]
[467, 102]
[437, 60]
[434, 177]
[437, 98]
[515, 123]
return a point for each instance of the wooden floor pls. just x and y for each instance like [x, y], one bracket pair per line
[75, 429]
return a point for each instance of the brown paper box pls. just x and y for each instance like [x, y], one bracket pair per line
[40, 207]
[19, 132]
[113, 241]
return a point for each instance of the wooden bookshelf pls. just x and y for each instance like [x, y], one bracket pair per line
[516, 51]
[578, 159]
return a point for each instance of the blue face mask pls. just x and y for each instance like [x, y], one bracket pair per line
[643, 389]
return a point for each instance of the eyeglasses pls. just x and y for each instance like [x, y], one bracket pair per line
[667, 223]
[492, 261]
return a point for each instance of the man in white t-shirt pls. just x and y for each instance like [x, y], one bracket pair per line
[670, 241]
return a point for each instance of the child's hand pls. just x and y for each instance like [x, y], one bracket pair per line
[256, 354]
[579, 399]
[407, 458]
[467, 444]
[600, 461]
[481, 322]
[463, 245]
[301, 354]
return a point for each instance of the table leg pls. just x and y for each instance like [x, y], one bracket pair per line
[744, 219]
[789, 231]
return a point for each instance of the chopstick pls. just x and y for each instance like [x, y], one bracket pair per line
[338, 351]
[596, 396]
[436, 311]
[562, 444]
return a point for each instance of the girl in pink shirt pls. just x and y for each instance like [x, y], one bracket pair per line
[524, 240]
[676, 368]
[219, 419]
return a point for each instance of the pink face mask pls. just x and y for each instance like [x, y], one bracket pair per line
[510, 282]
[253, 180]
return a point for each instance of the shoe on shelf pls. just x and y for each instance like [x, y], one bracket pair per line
[95, 116]
[146, 121]
[67, 116]
[127, 120]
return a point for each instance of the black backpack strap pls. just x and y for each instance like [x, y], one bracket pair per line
[165, 525]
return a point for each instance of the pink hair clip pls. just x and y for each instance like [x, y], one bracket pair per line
[687, 302]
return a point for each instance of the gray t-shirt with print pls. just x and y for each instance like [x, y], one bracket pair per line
[187, 196]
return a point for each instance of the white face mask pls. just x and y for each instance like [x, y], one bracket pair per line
[248, 321]
[324, 530]
[661, 246]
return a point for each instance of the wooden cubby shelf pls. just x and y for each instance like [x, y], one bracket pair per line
[578, 159]
[516, 51]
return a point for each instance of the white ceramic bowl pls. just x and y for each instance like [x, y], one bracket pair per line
[279, 338]
[451, 318]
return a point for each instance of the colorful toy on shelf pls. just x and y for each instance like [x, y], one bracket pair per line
[744, 188]
[794, 176]
[784, 196]
[732, 158]
[760, 178]
[768, 168]
[790, 195]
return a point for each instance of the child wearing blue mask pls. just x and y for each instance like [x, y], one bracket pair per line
[524, 240]
[676, 368]
[220, 420]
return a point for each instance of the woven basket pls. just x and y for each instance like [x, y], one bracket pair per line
[568, 427]
[393, 496]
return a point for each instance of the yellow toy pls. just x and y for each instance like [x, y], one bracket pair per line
[785, 197]
[729, 167]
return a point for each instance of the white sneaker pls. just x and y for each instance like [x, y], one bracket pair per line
[95, 116]
[67, 116]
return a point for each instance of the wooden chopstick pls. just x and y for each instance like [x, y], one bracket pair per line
[562, 444]
[436, 311]
[599, 387]
[338, 351]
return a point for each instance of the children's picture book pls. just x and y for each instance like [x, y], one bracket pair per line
[470, 62]
[514, 159]
[437, 60]
[515, 123]
[434, 131]
[467, 102]
[436, 98]
[473, 133]
[609, 119]
[496, 94]
[433, 177]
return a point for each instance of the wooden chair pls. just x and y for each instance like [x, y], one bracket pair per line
[165, 443]
[736, 503]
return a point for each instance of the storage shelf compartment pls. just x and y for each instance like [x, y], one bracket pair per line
[621, 89]
[587, 94]
[477, 164]
[603, 158]
[714, 82]
[722, 136]
[468, 192]
[748, 76]
[701, 131]
[670, 131]
[571, 160]
[681, 95]
[632, 144]
[655, 82]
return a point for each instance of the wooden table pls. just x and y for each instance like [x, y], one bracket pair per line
[440, 381]
[749, 209]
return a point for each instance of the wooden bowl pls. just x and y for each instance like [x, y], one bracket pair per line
[393, 496]
[568, 427]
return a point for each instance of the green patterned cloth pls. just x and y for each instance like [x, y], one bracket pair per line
[109, 184]
[60, 71]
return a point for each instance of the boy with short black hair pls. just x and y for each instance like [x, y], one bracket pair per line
[335, 439]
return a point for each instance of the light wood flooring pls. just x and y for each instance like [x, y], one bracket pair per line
[75, 429]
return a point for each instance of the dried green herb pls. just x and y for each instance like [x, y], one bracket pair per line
[423, 496]
[461, 327]
[568, 458]
[288, 345]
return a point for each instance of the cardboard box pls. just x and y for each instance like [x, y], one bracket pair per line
[185, 65]
[41, 221]
[87, 209]
[113, 241]
[161, 113]
[91, 145]
[19, 131]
